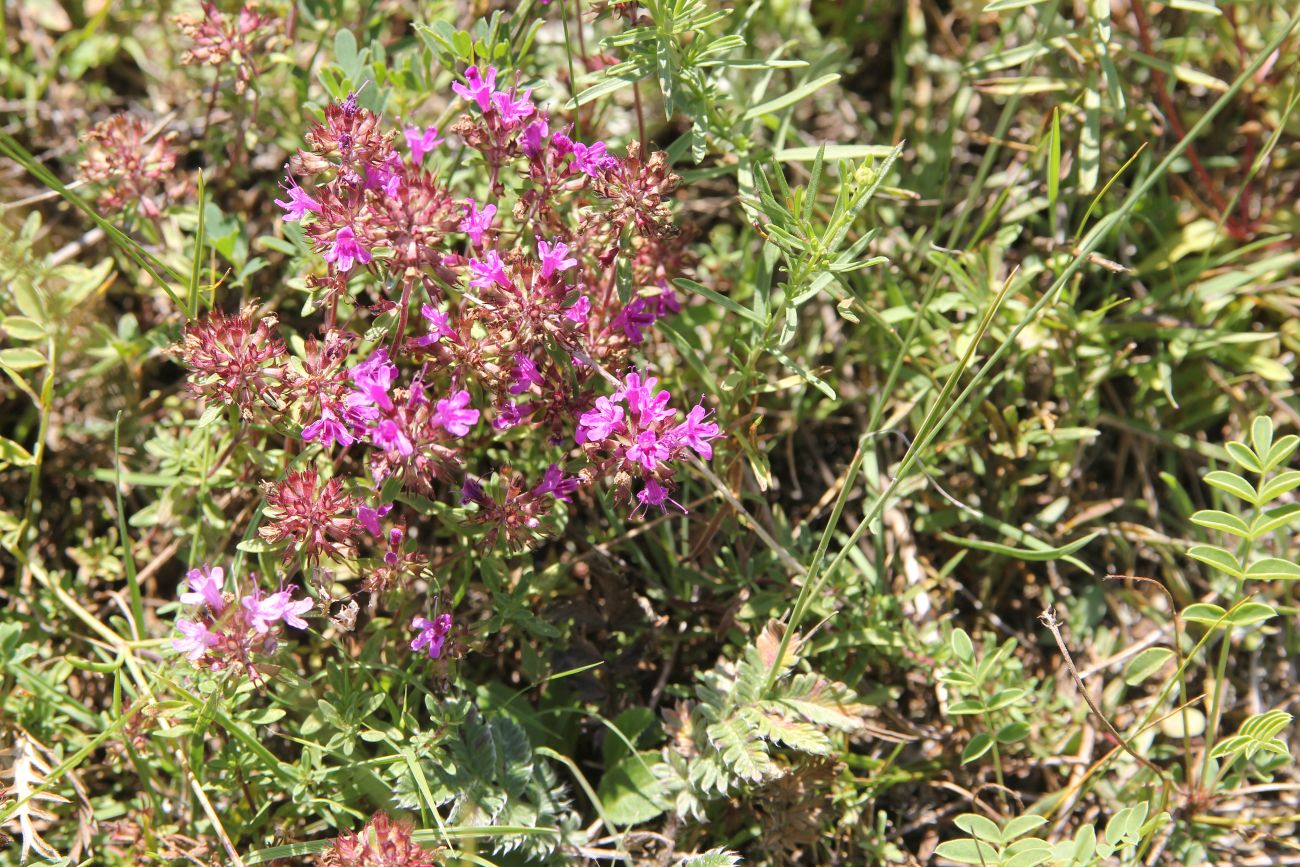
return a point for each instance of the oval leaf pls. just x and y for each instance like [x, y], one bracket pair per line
[1145, 664]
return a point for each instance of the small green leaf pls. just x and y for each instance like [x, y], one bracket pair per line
[22, 328]
[1273, 569]
[1279, 485]
[1233, 484]
[979, 827]
[962, 647]
[1281, 450]
[967, 852]
[1212, 555]
[978, 746]
[1261, 434]
[1020, 826]
[808, 88]
[1013, 732]
[1205, 613]
[1274, 518]
[1244, 456]
[1222, 521]
[21, 358]
[1250, 613]
[1145, 664]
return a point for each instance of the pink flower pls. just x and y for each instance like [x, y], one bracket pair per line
[510, 415]
[346, 251]
[328, 429]
[557, 484]
[512, 108]
[485, 272]
[696, 433]
[479, 89]
[477, 221]
[261, 612]
[433, 634]
[579, 310]
[590, 159]
[655, 494]
[452, 414]
[369, 517]
[421, 142]
[373, 379]
[294, 609]
[648, 450]
[389, 436]
[299, 202]
[600, 423]
[196, 642]
[531, 138]
[205, 588]
[553, 258]
[440, 322]
[526, 375]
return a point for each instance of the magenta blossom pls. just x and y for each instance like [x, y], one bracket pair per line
[486, 272]
[526, 375]
[579, 310]
[513, 107]
[600, 423]
[477, 221]
[197, 639]
[261, 612]
[590, 159]
[298, 204]
[328, 429]
[369, 518]
[479, 88]
[206, 587]
[432, 634]
[452, 414]
[346, 251]
[553, 258]
[531, 138]
[439, 321]
[655, 494]
[557, 484]
[389, 436]
[421, 142]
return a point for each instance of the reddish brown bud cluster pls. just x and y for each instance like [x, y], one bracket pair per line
[132, 164]
[380, 843]
[233, 361]
[314, 520]
[219, 40]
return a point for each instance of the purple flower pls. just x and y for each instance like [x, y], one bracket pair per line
[579, 310]
[696, 433]
[590, 159]
[328, 429]
[262, 611]
[479, 89]
[557, 484]
[196, 642]
[510, 415]
[655, 494]
[293, 609]
[472, 492]
[526, 374]
[433, 634]
[485, 272]
[421, 142]
[452, 414]
[373, 379]
[477, 221]
[562, 144]
[369, 517]
[648, 450]
[440, 322]
[513, 108]
[553, 258]
[346, 251]
[299, 202]
[637, 315]
[600, 423]
[389, 436]
[205, 588]
[531, 138]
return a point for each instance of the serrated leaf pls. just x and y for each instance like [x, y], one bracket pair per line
[742, 753]
[712, 858]
[1145, 664]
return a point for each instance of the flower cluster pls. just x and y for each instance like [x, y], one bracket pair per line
[635, 434]
[132, 165]
[219, 40]
[223, 631]
[498, 309]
